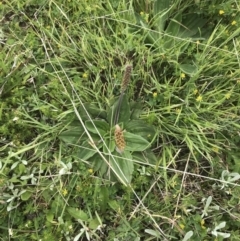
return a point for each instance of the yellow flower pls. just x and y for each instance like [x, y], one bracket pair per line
[195, 91]
[221, 12]
[215, 149]
[199, 98]
[141, 13]
[181, 225]
[183, 75]
[90, 170]
[85, 75]
[202, 224]
[234, 22]
[178, 110]
[198, 42]
[228, 95]
[154, 94]
[146, 17]
[64, 192]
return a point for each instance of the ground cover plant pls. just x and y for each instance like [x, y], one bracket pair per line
[119, 120]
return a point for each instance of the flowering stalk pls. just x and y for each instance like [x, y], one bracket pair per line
[118, 134]
[125, 82]
[126, 78]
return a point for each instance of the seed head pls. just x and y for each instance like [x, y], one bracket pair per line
[126, 77]
[119, 139]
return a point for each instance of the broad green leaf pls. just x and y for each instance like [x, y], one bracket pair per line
[188, 69]
[22, 168]
[109, 147]
[50, 216]
[184, 45]
[78, 214]
[92, 111]
[123, 167]
[172, 32]
[124, 110]
[96, 126]
[120, 112]
[26, 195]
[136, 110]
[99, 164]
[150, 36]
[93, 224]
[135, 142]
[114, 205]
[73, 135]
[161, 11]
[192, 26]
[103, 196]
[146, 157]
[141, 128]
[174, 25]
[86, 151]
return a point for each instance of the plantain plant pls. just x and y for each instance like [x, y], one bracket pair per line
[118, 138]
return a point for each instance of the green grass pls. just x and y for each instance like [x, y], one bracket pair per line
[62, 64]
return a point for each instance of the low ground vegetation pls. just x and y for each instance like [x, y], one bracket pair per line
[76, 164]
